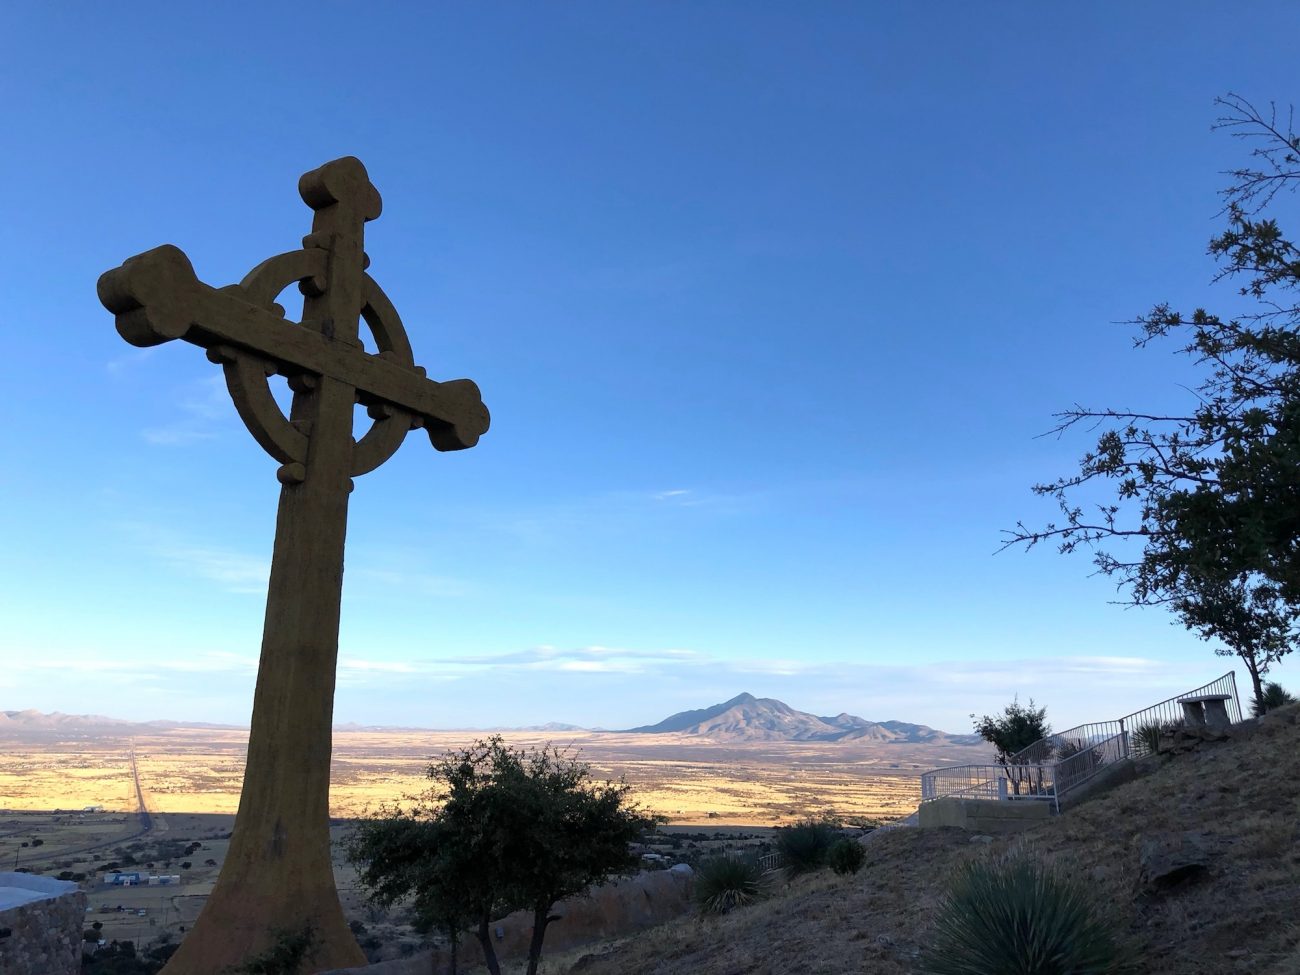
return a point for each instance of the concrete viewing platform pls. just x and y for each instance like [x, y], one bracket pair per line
[17, 889]
[41, 925]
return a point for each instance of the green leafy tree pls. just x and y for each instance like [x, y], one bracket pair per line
[1199, 511]
[443, 850]
[1012, 731]
[501, 829]
[569, 832]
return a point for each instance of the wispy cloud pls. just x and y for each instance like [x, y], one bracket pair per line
[127, 362]
[617, 512]
[376, 666]
[594, 659]
[233, 571]
[675, 493]
[202, 409]
[940, 692]
[414, 581]
[139, 667]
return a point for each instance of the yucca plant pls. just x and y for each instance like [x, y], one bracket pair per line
[1014, 915]
[805, 844]
[1275, 696]
[724, 883]
[1146, 737]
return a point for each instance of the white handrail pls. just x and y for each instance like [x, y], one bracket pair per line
[1046, 773]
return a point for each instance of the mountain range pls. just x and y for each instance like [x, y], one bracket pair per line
[749, 718]
[32, 721]
[741, 719]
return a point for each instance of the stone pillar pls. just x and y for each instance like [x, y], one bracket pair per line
[1216, 715]
[41, 924]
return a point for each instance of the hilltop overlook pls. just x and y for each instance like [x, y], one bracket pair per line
[1231, 806]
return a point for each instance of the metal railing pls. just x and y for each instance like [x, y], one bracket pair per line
[1047, 749]
[1144, 726]
[1054, 766]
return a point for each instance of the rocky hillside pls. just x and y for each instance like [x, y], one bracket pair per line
[749, 718]
[1229, 810]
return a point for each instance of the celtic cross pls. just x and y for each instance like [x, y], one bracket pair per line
[277, 876]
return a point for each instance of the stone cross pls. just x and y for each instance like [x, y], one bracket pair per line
[277, 877]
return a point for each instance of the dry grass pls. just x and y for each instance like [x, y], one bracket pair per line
[1242, 797]
[688, 780]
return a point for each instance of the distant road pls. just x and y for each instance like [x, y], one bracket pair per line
[146, 824]
[146, 821]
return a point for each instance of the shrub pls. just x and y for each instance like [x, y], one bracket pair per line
[805, 844]
[846, 856]
[1016, 916]
[289, 951]
[1146, 737]
[1275, 696]
[723, 883]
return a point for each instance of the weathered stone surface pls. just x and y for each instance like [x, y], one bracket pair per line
[277, 877]
[1169, 861]
[1281, 717]
[984, 815]
[1184, 739]
[41, 936]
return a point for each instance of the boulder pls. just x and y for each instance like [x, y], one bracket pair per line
[1170, 861]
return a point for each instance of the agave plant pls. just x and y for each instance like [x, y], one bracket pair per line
[1275, 696]
[724, 883]
[1014, 915]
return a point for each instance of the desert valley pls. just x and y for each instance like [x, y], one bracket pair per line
[80, 795]
[747, 761]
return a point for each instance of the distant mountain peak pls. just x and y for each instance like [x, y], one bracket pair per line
[749, 718]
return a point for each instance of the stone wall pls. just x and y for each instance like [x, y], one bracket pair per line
[985, 815]
[613, 910]
[41, 924]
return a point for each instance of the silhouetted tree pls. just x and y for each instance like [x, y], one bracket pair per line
[1205, 513]
[501, 829]
[1015, 729]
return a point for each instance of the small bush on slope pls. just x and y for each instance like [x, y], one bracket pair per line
[846, 856]
[805, 844]
[723, 883]
[1016, 916]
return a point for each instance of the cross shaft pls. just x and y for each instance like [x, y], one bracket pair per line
[277, 877]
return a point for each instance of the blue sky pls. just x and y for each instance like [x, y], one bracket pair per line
[770, 303]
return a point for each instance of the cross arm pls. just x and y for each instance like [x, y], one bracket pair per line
[156, 297]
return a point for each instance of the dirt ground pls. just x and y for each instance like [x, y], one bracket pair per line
[688, 780]
[1240, 800]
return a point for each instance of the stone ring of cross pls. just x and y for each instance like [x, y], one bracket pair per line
[156, 297]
